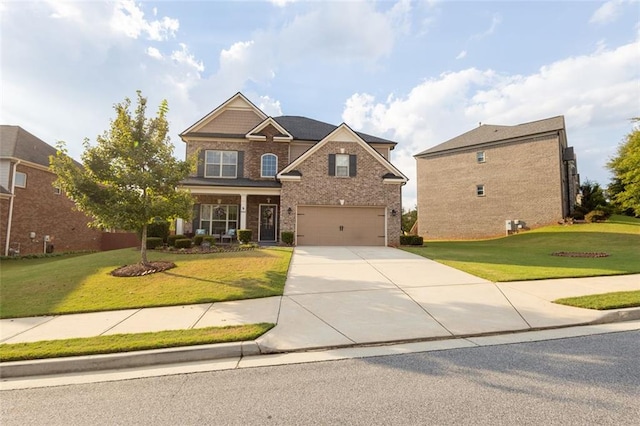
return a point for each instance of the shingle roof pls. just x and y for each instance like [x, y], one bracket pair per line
[489, 133]
[240, 182]
[303, 128]
[15, 142]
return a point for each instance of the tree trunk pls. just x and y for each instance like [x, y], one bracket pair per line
[143, 247]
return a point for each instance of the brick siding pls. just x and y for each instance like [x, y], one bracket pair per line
[522, 181]
[38, 209]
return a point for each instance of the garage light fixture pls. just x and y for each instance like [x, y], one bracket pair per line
[394, 212]
[289, 210]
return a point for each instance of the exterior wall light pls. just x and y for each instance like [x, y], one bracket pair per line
[394, 212]
[289, 210]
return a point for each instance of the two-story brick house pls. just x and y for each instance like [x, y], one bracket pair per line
[495, 180]
[34, 215]
[328, 184]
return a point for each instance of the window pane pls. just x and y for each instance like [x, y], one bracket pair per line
[229, 157]
[213, 157]
[233, 213]
[21, 179]
[269, 165]
[212, 170]
[205, 212]
[229, 171]
[342, 160]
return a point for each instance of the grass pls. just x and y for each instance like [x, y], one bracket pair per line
[130, 342]
[617, 300]
[527, 256]
[74, 284]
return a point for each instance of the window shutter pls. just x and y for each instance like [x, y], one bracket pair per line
[332, 164]
[353, 163]
[196, 218]
[200, 170]
[240, 172]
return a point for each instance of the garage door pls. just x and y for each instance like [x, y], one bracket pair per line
[340, 226]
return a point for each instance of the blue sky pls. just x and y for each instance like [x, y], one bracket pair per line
[416, 72]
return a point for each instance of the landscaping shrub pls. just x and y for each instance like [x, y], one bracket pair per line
[198, 239]
[287, 237]
[595, 216]
[158, 229]
[411, 240]
[171, 239]
[244, 235]
[211, 240]
[183, 243]
[153, 242]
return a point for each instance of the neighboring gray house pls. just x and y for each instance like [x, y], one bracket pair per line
[328, 184]
[495, 180]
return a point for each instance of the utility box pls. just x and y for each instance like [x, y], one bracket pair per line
[508, 225]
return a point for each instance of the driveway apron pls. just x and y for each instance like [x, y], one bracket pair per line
[344, 295]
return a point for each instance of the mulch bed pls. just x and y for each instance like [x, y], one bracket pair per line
[579, 254]
[138, 269]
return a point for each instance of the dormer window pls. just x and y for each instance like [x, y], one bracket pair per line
[269, 165]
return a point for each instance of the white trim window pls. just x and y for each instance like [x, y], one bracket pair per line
[20, 180]
[342, 165]
[480, 157]
[269, 165]
[222, 164]
[218, 220]
[480, 191]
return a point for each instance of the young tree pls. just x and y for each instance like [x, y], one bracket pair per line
[130, 177]
[625, 189]
[592, 197]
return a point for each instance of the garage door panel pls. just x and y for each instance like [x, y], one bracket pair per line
[324, 225]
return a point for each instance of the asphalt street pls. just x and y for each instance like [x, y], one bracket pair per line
[581, 380]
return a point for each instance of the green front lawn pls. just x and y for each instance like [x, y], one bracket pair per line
[527, 256]
[131, 342]
[64, 285]
[616, 300]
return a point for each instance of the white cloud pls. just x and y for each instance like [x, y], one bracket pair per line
[496, 20]
[154, 53]
[281, 3]
[269, 106]
[64, 10]
[606, 13]
[129, 19]
[462, 54]
[604, 97]
[183, 56]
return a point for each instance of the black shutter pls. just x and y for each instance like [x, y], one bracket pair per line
[332, 164]
[353, 165]
[240, 172]
[200, 171]
[196, 218]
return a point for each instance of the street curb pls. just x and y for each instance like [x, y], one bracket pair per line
[79, 364]
[154, 357]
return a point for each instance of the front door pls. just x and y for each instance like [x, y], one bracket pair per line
[268, 222]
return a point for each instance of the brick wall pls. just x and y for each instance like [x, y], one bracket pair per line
[522, 181]
[318, 188]
[38, 209]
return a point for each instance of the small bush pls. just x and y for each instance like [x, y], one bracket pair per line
[158, 229]
[287, 237]
[183, 243]
[211, 240]
[171, 239]
[198, 239]
[595, 216]
[411, 240]
[153, 242]
[244, 235]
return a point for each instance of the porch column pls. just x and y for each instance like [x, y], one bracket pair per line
[243, 211]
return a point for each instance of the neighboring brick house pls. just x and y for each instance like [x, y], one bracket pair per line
[327, 184]
[32, 210]
[473, 184]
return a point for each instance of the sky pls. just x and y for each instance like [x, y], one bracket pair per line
[415, 72]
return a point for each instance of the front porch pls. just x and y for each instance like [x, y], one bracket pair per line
[222, 214]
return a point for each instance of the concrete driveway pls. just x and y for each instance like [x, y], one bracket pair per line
[338, 296]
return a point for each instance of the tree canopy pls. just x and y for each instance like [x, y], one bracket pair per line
[130, 177]
[625, 188]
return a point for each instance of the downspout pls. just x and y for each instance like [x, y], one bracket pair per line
[13, 196]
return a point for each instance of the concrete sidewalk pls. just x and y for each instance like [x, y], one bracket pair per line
[344, 296]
